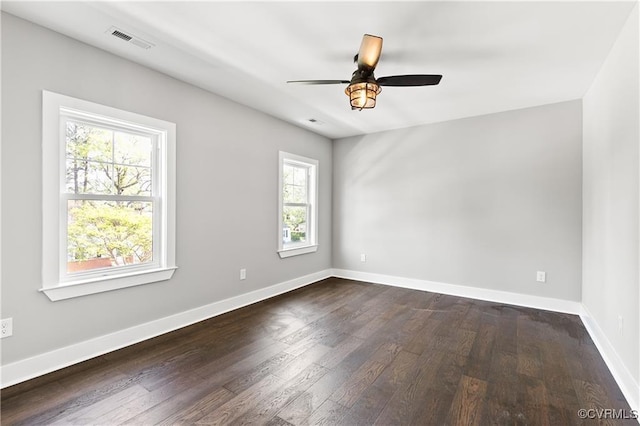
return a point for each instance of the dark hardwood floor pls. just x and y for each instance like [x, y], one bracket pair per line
[339, 352]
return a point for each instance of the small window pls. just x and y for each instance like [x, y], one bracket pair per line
[108, 198]
[298, 226]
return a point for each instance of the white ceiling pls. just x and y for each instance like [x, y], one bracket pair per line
[494, 56]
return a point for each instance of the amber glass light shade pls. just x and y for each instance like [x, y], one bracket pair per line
[370, 50]
[362, 95]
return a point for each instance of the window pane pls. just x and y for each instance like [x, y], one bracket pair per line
[89, 177]
[132, 180]
[294, 188]
[287, 193]
[299, 194]
[131, 149]
[294, 221]
[287, 174]
[294, 194]
[101, 161]
[107, 234]
[300, 176]
[86, 142]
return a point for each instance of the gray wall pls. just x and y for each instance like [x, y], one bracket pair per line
[227, 191]
[611, 196]
[484, 201]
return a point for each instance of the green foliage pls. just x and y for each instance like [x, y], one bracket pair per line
[104, 161]
[294, 192]
[121, 231]
[294, 216]
[298, 236]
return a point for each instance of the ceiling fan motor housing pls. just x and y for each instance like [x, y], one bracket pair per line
[363, 75]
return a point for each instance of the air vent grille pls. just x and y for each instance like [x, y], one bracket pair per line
[121, 35]
[130, 38]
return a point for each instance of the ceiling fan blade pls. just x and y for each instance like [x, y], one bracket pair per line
[319, 81]
[369, 52]
[410, 80]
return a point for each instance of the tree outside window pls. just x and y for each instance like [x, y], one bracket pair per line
[110, 204]
[295, 197]
[298, 205]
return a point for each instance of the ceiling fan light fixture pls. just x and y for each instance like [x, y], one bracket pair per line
[362, 95]
[364, 87]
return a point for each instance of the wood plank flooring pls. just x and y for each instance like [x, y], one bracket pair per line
[339, 352]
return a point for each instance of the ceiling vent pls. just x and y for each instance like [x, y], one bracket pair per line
[129, 38]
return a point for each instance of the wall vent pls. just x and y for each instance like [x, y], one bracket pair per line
[130, 38]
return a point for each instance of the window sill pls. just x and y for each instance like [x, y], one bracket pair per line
[99, 285]
[297, 251]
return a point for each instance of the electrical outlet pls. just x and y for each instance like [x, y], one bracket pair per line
[620, 324]
[363, 257]
[243, 274]
[6, 327]
[541, 276]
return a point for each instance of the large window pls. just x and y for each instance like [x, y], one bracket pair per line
[297, 228]
[108, 198]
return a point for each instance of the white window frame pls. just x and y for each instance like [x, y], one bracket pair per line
[311, 245]
[57, 284]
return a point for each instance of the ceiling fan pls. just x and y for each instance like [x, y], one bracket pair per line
[363, 86]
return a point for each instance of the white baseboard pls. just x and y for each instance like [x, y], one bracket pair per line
[629, 387]
[38, 365]
[519, 299]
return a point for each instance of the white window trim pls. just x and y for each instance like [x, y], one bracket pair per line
[312, 244]
[52, 162]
